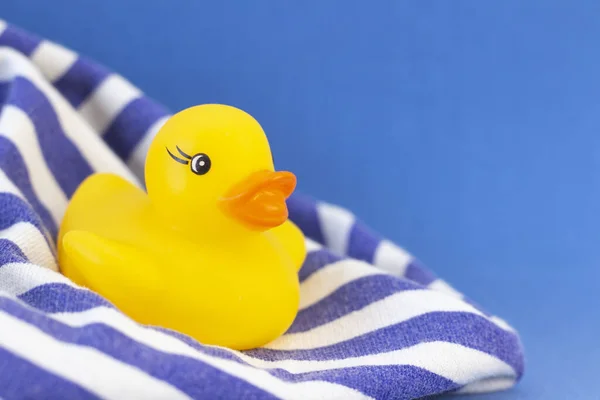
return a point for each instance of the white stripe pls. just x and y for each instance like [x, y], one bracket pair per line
[137, 160]
[19, 278]
[107, 101]
[391, 258]
[441, 286]
[333, 276]
[85, 366]
[6, 186]
[311, 245]
[53, 60]
[391, 310]
[169, 344]
[452, 361]
[2, 26]
[502, 323]
[336, 223]
[488, 385]
[16, 126]
[91, 146]
[33, 244]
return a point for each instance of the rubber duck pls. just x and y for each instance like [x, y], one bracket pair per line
[207, 249]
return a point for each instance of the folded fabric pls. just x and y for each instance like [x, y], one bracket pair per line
[373, 322]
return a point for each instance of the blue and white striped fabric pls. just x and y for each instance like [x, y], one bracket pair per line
[373, 322]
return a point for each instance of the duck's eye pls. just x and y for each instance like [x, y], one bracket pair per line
[200, 164]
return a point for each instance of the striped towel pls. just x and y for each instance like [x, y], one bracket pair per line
[373, 322]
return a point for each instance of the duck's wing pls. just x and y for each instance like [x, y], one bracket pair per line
[292, 240]
[127, 276]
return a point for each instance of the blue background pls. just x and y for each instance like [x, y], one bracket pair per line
[467, 131]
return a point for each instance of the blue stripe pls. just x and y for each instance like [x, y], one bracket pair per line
[417, 272]
[59, 297]
[4, 91]
[130, 126]
[80, 81]
[21, 379]
[436, 326]
[15, 169]
[303, 212]
[62, 157]
[362, 243]
[10, 252]
[193, 377]
[315, 260]
[14, 210]
[19, 40]
[348, 298]
[385, 381]
[376, 381]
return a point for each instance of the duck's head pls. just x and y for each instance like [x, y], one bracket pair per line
[209, 170]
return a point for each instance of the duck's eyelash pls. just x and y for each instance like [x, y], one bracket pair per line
[174, 157]
[182, 153]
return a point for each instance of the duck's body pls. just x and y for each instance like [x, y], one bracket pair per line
[218, 282]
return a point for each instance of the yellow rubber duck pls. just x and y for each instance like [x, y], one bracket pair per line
[209, 250]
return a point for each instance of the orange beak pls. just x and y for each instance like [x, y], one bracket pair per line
[259, 200]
